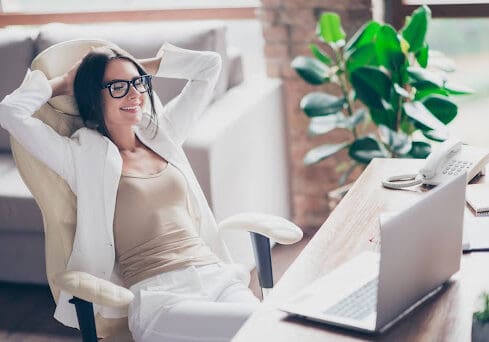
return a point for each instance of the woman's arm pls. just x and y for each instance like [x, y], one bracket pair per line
[151, 65]
[202, 69]
[34, 135]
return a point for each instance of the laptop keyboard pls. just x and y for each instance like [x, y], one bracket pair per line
[359, 304]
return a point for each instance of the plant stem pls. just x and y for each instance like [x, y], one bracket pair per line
[343, 85]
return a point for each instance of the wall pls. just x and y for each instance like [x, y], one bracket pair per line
[288, 28]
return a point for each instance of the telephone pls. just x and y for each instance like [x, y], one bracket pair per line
[448, 160]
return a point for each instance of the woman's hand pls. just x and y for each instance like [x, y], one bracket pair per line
[63, 85]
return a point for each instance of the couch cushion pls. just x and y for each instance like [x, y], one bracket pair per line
[16, 53]
[18, 209]
[144, 40]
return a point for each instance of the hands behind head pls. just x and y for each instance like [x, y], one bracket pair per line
[63, 85]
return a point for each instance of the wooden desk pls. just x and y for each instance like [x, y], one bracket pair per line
[352, 228]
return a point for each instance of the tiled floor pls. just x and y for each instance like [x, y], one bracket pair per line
[26, 310]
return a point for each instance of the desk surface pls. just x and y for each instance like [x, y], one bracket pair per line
[352, 228]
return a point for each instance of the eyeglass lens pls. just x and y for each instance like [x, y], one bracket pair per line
[119, 89]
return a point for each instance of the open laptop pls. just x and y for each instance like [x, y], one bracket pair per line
[421, 248]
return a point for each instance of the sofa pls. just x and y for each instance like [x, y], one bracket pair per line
[237, 149]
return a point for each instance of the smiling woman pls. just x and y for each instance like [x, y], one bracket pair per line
[104, 166]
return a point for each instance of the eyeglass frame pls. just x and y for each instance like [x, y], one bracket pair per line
[129, 83]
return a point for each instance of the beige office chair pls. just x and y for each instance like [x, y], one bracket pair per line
[58, 207]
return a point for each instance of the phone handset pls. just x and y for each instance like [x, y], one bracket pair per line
[431, 168]
[436, 159]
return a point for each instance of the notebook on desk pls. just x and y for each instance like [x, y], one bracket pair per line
[476, 232]
[477, 197]
[420, 250]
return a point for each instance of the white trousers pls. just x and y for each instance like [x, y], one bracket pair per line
[203, 303]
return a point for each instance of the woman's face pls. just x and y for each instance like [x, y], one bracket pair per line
[127, 110]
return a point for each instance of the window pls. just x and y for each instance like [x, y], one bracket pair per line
[465, 42]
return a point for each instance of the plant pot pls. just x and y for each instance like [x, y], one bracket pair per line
[480, 331]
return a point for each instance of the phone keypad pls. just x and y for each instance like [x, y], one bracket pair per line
[454, 167]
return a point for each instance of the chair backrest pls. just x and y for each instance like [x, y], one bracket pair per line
[53, 195]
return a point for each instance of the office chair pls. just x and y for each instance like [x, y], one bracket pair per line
[58, 207]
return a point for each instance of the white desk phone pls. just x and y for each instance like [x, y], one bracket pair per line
[447, 161]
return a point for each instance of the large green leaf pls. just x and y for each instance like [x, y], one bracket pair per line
[311, 70]
[329, 28]
[444, 109]
[371, 86]
[419, 149]
[364, 55]
[398, 142]
[320, 54]
[388, 47]
[320, 104]
[401, 91]
[322, 152]
[422, 56]
[418, 112]
[457, 89]
[407, 125]
[415, 29]
[436, 135]
[324, 124]
[423, 77]
[386, 117]
[363, 150]
[365, 35]
[357, 118]
[426, 89]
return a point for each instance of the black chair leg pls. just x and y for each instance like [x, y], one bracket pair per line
[86, 319]
[261, 249]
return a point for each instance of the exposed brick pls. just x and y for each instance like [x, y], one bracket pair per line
[271, 3]
[273, 34]
[305, 33]
[297, 17]
[267, 16]
[288, 29]
[276, 50]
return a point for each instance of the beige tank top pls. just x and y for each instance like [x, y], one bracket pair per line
[153, 229]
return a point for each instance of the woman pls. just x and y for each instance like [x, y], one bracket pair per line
[139, 207]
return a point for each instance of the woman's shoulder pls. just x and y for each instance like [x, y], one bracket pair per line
[86, 135]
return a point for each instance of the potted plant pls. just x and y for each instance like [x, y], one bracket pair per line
[382, 77]
[480, 320]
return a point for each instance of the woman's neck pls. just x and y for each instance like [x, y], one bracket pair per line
[124, 138]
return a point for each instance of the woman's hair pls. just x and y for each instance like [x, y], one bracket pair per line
[88, 87]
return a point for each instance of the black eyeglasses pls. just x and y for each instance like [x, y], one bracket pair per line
[120, 88]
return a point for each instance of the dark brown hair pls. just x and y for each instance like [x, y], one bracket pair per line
[88, 83]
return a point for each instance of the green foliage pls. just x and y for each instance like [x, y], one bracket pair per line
[385, 71]
[483, 314]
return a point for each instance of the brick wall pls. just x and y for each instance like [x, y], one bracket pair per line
[288, 28]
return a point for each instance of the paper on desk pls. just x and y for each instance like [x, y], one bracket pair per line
[476, 231]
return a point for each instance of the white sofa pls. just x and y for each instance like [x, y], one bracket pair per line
[237, 150]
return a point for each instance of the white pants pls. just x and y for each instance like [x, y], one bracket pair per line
[203, 303]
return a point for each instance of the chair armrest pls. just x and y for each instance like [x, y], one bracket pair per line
[93, 289]
[274, 227]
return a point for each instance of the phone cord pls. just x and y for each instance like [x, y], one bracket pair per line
[402, 181]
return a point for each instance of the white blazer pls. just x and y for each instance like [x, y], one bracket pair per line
[91, 164]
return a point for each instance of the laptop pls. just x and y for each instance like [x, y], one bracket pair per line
[420, 250]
